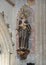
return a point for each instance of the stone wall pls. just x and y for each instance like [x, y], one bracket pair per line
[40, 32]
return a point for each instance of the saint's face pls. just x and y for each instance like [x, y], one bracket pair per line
[23, 24]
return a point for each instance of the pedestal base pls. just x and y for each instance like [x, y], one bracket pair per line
[23, 53]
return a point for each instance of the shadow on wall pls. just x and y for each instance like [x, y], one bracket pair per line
[30, 63]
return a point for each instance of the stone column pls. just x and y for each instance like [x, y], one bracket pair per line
[44, 35]
[40, 32]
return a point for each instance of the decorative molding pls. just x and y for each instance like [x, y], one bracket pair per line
[4, 33]
[10, 2]
[0, 49]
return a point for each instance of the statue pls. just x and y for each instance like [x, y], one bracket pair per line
[24, 30]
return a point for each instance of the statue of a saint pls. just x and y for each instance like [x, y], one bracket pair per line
[24, 33]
